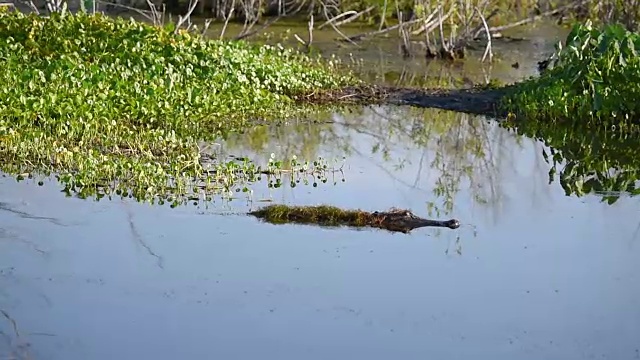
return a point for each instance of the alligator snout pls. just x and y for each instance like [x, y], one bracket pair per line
[452, 224]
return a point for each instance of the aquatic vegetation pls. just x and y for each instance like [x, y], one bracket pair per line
[297, 172]
[592, 81]
[325, 215]
[113, 105]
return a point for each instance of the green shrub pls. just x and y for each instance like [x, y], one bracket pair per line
[116, 104]
[594, 80]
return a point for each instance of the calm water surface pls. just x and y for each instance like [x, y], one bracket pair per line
[531, 274]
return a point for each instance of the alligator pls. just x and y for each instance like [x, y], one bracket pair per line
[404, 221]
[394, 220]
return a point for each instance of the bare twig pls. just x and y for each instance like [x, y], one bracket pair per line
[440, 21]
[282, 8]
[380, 32]
[244, 35]
[534, 18]
[310, 32]
[28, 3]
[207, 23]
[300, 39]
[480, 27]
[187, 16]
[146, 14]
[429, 23]
[227, 18]
[429, 51]
[56, 6]
[488, 50]
[383, 15]
[164, 11]
[326, 15]
[307, 44]
[250, 19]
[332, 20]
[157, 18]
[405, 46]
[300, 6]
[354, 16]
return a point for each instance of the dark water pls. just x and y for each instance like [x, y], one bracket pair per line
[531, 274]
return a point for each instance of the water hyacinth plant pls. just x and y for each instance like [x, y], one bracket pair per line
[114, 105]
[594, 80]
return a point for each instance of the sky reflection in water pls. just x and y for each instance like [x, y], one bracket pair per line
[531, 274]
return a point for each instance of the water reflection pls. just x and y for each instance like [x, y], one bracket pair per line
[429, 152]
[602, 161]
[446, 151]
[532, 274]
[550, 277]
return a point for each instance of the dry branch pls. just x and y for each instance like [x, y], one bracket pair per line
[247, 34]
[488, 50]
[380, 32]
[534, 18]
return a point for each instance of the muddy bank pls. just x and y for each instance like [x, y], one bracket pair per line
[477, 100]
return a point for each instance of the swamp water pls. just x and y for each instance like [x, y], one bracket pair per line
[530, 274]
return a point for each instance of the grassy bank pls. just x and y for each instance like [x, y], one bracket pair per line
[112, 105]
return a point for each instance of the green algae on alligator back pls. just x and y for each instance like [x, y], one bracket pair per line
[117, 106]
[395, 220]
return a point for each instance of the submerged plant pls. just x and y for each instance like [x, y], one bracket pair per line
[594, 80]
[112, 105]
